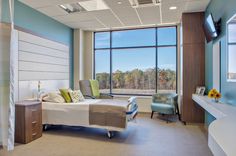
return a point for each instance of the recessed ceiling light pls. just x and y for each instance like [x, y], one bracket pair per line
[173, 8]
[119, 2]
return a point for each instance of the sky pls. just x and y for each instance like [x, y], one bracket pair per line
[141, 58]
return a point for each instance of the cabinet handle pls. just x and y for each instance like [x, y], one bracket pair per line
[34, 134]
[34, 122]
[34, 110]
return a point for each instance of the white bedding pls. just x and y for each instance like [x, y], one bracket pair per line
[76, 114]
[73, 114]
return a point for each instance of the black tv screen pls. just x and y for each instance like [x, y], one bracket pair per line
[210, 28]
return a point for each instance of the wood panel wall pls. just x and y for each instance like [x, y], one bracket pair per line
[193, 65]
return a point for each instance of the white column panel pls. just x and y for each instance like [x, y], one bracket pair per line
[88, 55]
[216, 65]
[4, 81]
[79, 61]
[76, 58]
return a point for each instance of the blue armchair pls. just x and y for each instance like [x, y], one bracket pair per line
[165, 103]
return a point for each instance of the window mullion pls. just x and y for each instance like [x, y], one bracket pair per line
[111, 62]
[156, 61]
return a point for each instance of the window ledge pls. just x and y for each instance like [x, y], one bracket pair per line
[127, 96]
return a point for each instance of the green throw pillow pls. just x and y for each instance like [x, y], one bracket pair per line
[65, 94]
[95, 88]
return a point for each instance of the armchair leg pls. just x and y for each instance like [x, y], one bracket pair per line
[152, 114]
[178, 113]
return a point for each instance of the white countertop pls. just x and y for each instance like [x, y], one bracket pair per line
[222, 138]
[218, 110]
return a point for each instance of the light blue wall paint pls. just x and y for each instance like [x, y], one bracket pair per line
[39, 23]
[223, 9]
[208, 118]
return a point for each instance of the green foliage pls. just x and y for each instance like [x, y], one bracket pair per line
[139, 79]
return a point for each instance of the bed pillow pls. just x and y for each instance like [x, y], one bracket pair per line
[76, 96]
[65, 94]
[54, 97]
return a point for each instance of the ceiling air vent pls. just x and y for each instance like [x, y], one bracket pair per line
[144, 3]
[71, 8]
[86, 5]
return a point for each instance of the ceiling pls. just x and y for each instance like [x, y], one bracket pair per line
[119, 15]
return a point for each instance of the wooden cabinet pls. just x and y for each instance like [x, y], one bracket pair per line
[193, 65]
[28, 122]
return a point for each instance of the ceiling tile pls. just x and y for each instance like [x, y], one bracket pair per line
[52, 11]
[107, 17]
[86, 25]
[75, 17]
[194, 6]
[46, 3]
[114, 3]
[149, 15]
[124, 12]
[119, 15]
[127, 15]
[172, 16]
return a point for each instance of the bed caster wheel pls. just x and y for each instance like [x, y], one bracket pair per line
[109, 134]
[45, 127]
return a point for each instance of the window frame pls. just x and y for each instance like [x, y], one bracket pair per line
[156, 46]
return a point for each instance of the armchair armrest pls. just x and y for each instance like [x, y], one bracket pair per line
[106, 96]
[157, 98]
[173, 100]
[169, 99]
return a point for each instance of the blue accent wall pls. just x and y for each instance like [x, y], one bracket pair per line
[223, 9]
[31, 19]
[209, 118]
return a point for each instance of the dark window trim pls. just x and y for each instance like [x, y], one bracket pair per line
[136, 47]
[123, 29]
[156, 46]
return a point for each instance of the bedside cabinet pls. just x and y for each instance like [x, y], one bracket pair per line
[28, 122]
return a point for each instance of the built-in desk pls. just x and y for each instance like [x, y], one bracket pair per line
[221, 132]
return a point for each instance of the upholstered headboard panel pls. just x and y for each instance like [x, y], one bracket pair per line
[42, 60]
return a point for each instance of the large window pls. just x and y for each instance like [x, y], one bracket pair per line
[139, 61]
[231, 75]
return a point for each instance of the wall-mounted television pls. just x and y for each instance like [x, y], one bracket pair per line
[211, 28]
